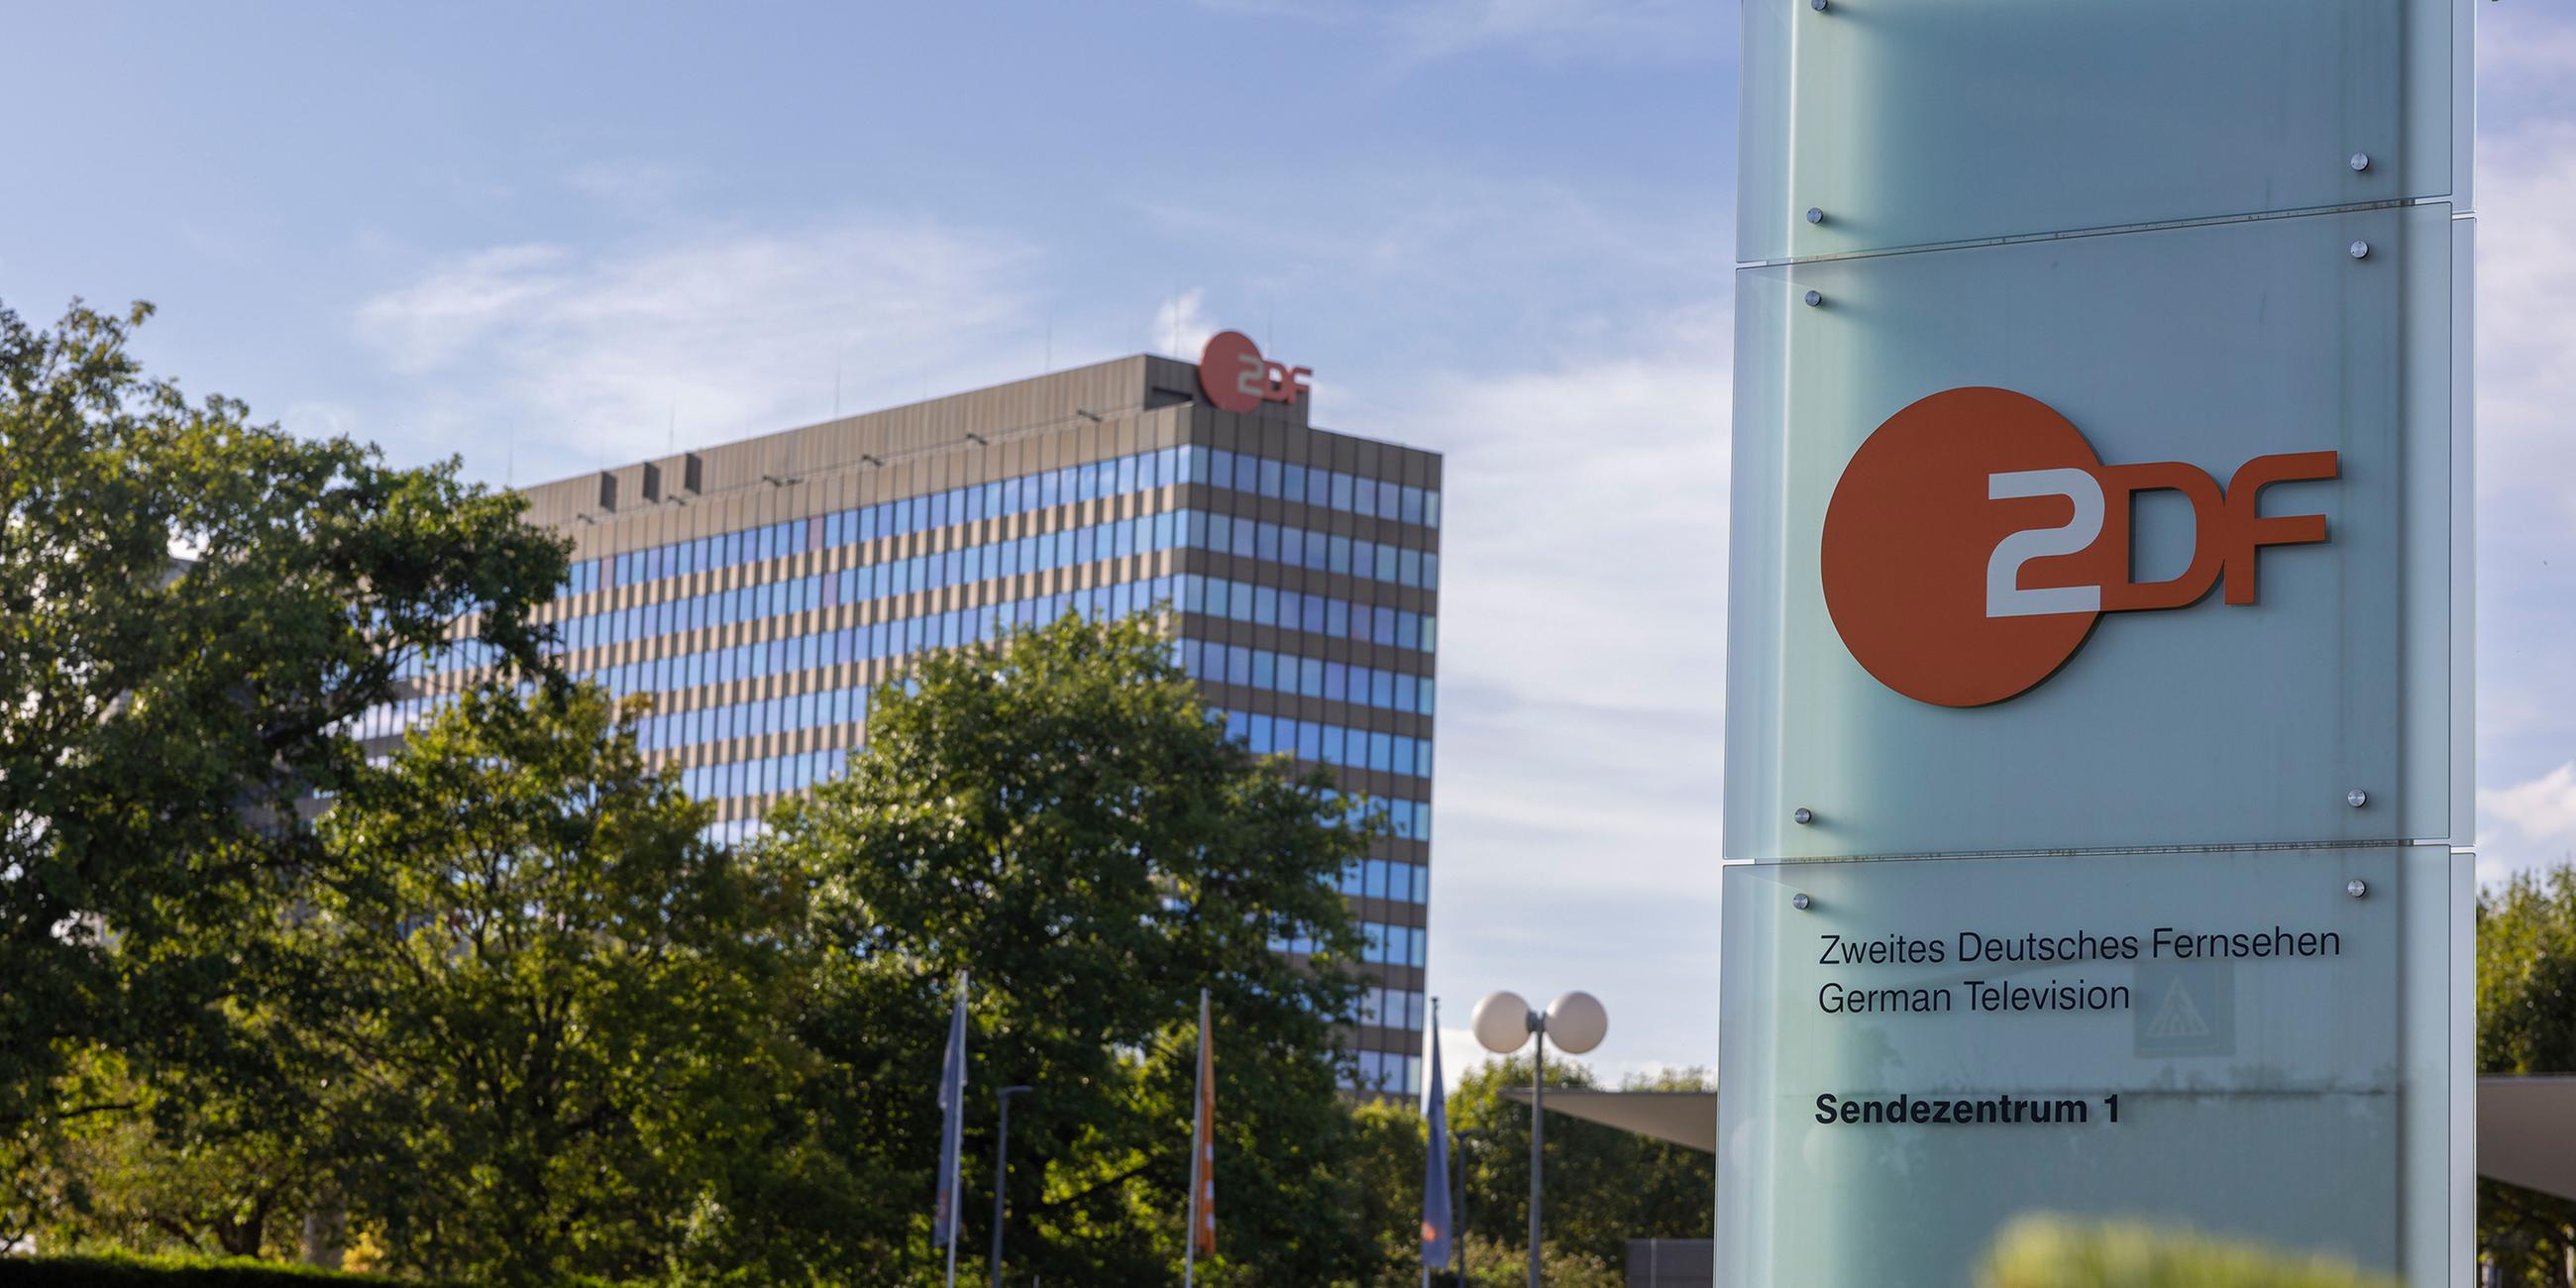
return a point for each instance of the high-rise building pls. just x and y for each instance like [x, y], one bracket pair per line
[761, 589]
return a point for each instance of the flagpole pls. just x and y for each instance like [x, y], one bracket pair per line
[1198, 1123]
[1431, 1145]
[949, 1149]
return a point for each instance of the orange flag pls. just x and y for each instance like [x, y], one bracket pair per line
[1203, 1145]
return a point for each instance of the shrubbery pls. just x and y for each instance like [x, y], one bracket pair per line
[2054, 1252]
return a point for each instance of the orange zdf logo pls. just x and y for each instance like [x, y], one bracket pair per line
[1975, 539]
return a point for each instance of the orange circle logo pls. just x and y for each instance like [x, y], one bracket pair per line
[1975, 539]
[1912, 529]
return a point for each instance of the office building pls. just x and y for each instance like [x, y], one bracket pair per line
[760, 589]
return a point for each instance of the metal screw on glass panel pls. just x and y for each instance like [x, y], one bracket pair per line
[1817, 5]
[2360, 160]
[1815, 298]
[2361, 250]
[1800, 901]
[2356, 887]
[1815, 214]
[1802, 814]
[2356, 798]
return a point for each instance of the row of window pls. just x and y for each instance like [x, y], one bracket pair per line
[765, 775]
[822, 708]
[892, 638]
[1331, 489]
[1394, 1008]
[1241, 601]
[1208, 596]
[1388, 1072]
[900, 636]
[1257, 668]
[1315, 551]
[1393, 945]
[986, 562]
[1379, 942]
[1331, 744]
[1388, 878]
[1114, 477]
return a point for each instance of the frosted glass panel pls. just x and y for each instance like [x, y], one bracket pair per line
[1934, 1046]
[1924, 121]
[2208, 723]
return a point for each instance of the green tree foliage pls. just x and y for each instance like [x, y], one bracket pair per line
[1390, 1139]
[1485, 1263]
[2527, 1024]
[2051, 1252]
[561, 1005]
[160, 716]
[1604, 1186]
[190, 1170]
[1056, 814]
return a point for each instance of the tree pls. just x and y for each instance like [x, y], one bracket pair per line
[1056, 814]
[1390, 1153]
[179, 1175]
[164, 716]
[1604, 1186]
[2527, 1024]
[2056, 1252]
[563, 1005]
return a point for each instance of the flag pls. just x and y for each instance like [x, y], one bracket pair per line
[1203, 1146]
[1435, 1168]
[952, 1122]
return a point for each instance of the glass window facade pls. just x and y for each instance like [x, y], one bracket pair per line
[1299, 584]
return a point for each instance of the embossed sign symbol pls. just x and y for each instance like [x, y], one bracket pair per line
[1237, 378]
[1975, 540]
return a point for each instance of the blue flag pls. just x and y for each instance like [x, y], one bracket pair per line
[952, 1122]
[1435, 1170]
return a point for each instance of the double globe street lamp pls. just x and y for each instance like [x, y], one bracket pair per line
[1503, 1022]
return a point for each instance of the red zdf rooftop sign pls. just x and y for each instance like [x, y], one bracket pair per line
[1237, 378]
[1975, 539]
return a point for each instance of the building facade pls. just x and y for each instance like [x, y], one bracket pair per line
[761, 589]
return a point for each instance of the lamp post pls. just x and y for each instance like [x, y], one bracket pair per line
[1002, 1173]
[1503, 1021]
[1460, 1190]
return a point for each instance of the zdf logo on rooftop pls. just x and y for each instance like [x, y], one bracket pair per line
[1237, 378]
[1975, 539]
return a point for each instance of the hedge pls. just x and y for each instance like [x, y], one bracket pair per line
[177, 1272]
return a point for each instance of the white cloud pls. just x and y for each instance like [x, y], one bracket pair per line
[1181, 324]
[2526, 460]
[2526, 331]
[431, 323]
[1582, 603]
[2539, 815]
[1623, 31]
[633, 187]
[586, 357]
[1565, 30]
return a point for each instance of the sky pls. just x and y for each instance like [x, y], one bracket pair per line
[545, 239]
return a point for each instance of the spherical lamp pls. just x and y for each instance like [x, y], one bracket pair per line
[1501, 1022]
[1576, 1023]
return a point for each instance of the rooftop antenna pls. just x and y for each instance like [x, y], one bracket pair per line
[837, 359]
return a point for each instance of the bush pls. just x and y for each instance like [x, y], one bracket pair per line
[2054, 1252]
[174, 1272]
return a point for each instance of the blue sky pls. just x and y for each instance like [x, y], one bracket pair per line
[548, 238]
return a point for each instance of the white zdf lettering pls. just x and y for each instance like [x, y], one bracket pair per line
[2005, 596]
